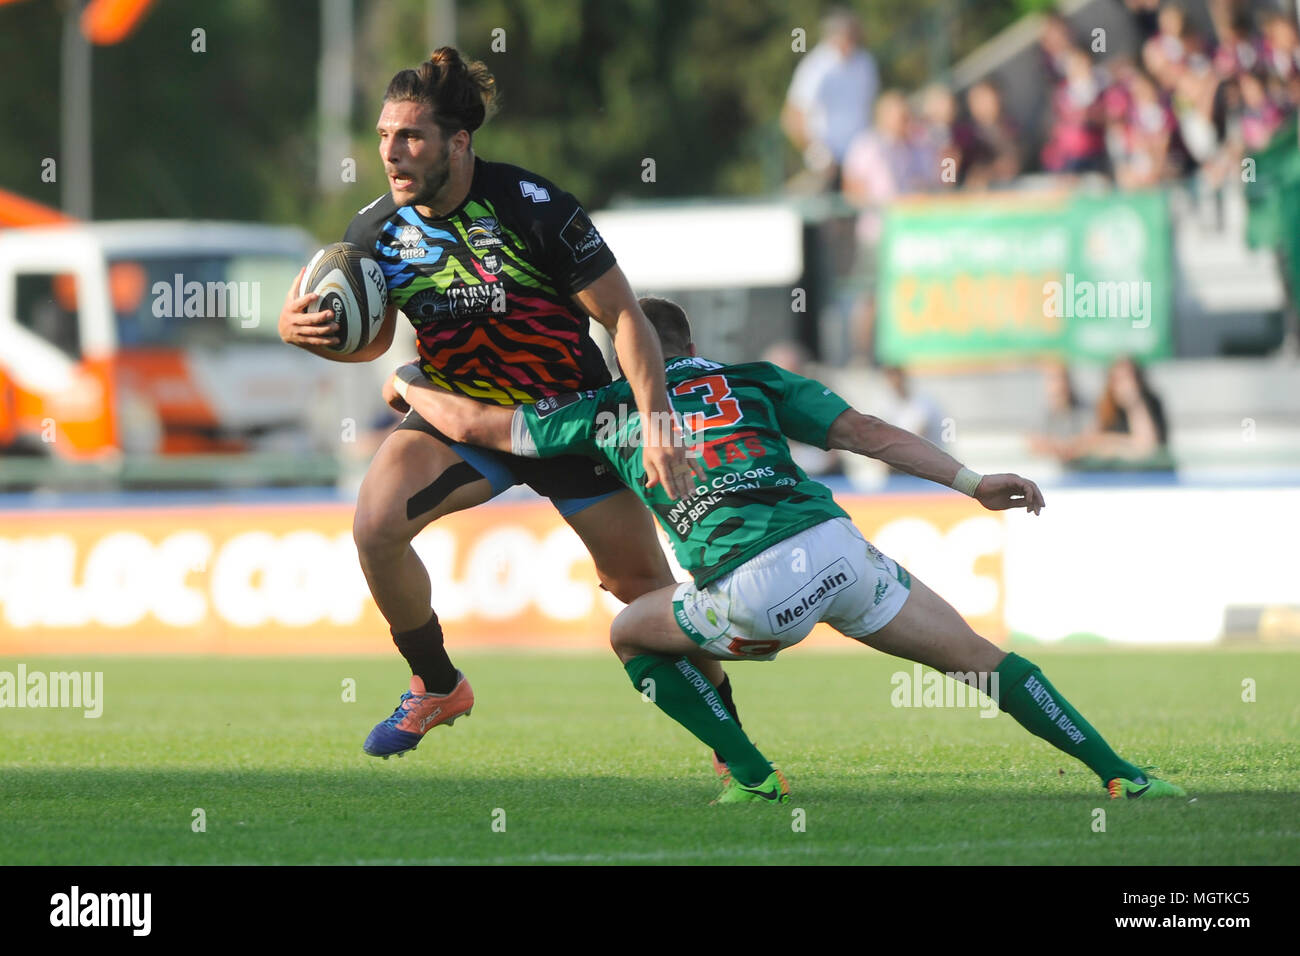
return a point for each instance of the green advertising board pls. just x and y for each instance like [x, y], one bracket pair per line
[1075, 275]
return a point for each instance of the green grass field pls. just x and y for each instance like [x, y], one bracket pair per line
[563, 751]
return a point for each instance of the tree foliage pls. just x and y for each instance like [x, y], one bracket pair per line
[591, 89]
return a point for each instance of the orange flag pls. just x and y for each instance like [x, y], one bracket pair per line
[105, 22]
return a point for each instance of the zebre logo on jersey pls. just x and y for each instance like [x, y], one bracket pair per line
[484, 232]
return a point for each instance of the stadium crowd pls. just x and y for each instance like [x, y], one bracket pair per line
[1188, 103]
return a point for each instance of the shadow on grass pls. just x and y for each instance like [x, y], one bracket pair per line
[390, 813]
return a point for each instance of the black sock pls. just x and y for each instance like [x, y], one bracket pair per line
[724, 691]
[423, 650]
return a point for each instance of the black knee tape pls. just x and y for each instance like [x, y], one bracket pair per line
[461, 473]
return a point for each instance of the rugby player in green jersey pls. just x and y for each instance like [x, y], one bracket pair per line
[769, 551]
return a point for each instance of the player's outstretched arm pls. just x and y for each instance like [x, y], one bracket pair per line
[460, 419]
[610, 301]
[875, 438]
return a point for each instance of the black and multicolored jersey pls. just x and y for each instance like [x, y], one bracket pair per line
[488, 287]
[748, 495]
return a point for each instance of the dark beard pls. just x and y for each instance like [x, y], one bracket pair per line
[434, 180]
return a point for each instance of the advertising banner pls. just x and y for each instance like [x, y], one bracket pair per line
[1144, 566]
[285, 579]
[1076, 276]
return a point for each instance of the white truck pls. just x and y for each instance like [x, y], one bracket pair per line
[160, 338]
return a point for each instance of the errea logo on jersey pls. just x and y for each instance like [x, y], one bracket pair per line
[533, 191]
[411, 239]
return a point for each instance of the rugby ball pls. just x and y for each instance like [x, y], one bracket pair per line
[351, 284]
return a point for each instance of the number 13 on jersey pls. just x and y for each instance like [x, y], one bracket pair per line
[724, 410]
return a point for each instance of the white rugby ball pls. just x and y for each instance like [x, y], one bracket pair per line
[351, 284]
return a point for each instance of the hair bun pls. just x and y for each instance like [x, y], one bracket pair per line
[448, 57]
[462, 94]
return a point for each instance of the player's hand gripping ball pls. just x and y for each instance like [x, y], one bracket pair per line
[351, 285]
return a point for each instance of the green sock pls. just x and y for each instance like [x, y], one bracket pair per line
[1037, 706]
[687, 696]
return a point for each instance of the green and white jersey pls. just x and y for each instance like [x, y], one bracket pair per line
[748, 495]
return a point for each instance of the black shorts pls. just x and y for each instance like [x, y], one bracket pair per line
[572, 482]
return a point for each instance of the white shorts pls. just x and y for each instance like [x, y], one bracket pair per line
[828, 572]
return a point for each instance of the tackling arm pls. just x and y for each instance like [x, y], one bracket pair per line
[460, 419]
[870, 436]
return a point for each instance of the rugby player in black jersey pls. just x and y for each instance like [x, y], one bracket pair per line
[498, 270]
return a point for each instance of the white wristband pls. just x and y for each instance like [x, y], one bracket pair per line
[967, 481]
[404, 377]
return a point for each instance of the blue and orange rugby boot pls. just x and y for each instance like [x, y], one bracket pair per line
[417, 714]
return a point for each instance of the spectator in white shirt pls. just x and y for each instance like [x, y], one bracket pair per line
[831, 97]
